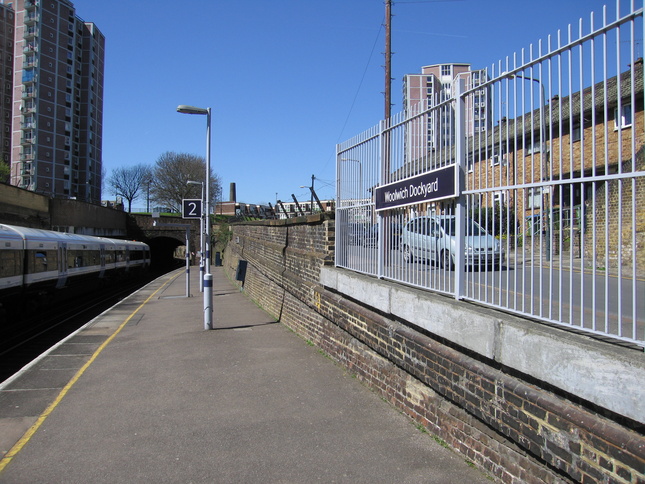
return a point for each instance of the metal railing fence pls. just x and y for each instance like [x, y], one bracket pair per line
[546, 219]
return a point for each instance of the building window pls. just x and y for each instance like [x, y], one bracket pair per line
[534, 147]
[498, 159]
[534, 198]
[576, 133]
[625, 119]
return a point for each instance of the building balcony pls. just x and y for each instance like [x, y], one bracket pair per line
[28, 108]
[31, 32]
[30, 47]
[29, 80]
[31, 17]
[29, 93]
[27, 182]
[28, 140]
[31, 4]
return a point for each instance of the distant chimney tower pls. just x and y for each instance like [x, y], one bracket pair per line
[232, 197]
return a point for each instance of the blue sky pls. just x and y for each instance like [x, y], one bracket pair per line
[286, 79]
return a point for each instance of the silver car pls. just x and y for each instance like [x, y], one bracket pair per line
[432, 238]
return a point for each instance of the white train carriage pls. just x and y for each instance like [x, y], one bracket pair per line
[35, 262]
[82, 259]
[125, 255]
[138, 257]
[12, 258]
[33, 256]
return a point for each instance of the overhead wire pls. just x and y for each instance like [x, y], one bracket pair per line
[358, 89]
[367, 65]
[360, 84]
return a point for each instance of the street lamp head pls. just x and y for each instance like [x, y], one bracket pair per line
[191, 182]
[185, 109]
[513, 75]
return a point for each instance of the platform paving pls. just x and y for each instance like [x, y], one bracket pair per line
[144, 394]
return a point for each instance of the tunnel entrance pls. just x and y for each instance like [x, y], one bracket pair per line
[162, 251]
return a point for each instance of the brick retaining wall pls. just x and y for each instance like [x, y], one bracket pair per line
[513, 430]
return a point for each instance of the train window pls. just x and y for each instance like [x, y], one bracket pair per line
[42, 261]
[75, 259]
[120, 255]
[94, 257]
[10, 263]
[109, 257]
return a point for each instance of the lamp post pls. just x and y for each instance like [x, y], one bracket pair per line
[208, 277]
[201, 237]
[311, 188]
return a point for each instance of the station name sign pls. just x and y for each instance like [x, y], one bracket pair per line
[435, 185]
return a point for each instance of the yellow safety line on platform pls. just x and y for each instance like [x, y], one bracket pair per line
[32, 430]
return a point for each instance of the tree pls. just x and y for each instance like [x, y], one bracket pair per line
[5, 172]
[171, 173]
[127, 182]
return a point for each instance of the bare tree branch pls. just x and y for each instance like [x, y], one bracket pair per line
[171, 174]
[128, 181]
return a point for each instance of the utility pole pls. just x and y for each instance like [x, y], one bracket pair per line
[311, 203]
[388, 59]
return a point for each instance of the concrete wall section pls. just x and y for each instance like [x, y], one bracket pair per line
[88, 219]
[28, 209]
[23, 208]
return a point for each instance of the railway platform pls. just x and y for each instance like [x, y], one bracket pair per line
[144, 394]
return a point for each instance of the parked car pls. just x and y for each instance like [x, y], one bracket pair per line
[432, 238]
[356, 233]
[371, 237]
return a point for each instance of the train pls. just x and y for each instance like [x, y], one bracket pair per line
[39, 266]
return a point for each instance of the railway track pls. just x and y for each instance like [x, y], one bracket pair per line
[23, 341]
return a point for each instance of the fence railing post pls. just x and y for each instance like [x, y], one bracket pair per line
[460, 178]
[383, 249]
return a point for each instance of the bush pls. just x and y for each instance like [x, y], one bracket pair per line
[498, 221]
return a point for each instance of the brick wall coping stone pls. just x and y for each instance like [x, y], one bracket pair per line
[279, 222]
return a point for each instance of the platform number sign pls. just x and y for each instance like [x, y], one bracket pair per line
[191, 208]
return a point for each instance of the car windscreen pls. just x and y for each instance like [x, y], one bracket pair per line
[472, 227]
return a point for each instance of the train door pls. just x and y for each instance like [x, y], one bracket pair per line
[62, 265]
[102, 271]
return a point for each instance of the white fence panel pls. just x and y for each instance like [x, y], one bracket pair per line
[548, 221]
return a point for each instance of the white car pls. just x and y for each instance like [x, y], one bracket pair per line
[432, 238]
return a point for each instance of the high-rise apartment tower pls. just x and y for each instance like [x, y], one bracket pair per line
[433, 86]
[7, 26]
[57, 101]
